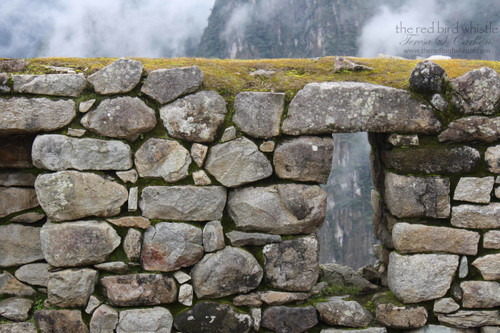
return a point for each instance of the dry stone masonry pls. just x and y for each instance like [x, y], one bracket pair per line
[140, 202]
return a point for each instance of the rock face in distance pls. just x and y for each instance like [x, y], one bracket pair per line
[338, 312]
[282, 319]
[71, 288]
[473, 128]
[19, 245]
[50, 84]
[70, 195]
[157, 320]
[60, 321]
[119, 77]
[428, 77]
[16, 199]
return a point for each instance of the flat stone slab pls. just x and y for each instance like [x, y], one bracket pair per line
[33, 115]
[17, 179]
[480, 294]
[15, 308]
[367, 330]
[19, 245]
[156, 319]
[283, 319]
[344, 313]
[445, 305]
[476, 216]
[357, 107]
[238, 238]
[16, 199]
[60, 321]
[282, 297]
[10, 286]
[400, 317]
[183, 203]
[468, 319]
[131, 222]
[36, 274]
[26, 327]
[474, 189]
[442, 329]
[119, 77]
[473, 128]
[50, 84]
[491, 239]
[489, 266]
[71, 288]
[59, 152]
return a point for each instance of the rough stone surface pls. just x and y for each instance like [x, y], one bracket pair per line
[445, 305]
[267, 147]
[399, 140]
[256, 314]
[282, 297]
[356, 107]
[480, 294]
[115, 267]
[474, 128]
[184, 203]
[60, 321]
[442, 329]
[293, 265]
[59, 152]
[195, 118]
[283, 209]
[15, 151]
[15, 308]
[282, 319]
[26, 327]
[50, 84]
[139, 289]
[463, 269]
[467, 319]
[92, 304]
[131, 222]
[492, 157]
[251, 300]
[474, 189]
[491, 240]
[338, 312]
[119, 77]
[129, 176]
[35, 274]
[489, 266]
[121, 117]
[31, 217]
[153, 320]
[16, 199]
[4, 78]
[428, 77]
[475, 216]
[198, 153]
[237, 162]
[418, 238]
[163, 158]
[258, 114]
[229, 134]
[201, 178]
[17, 179]
[345, 276]
[421, 277]
[393, 316]
[408, 196]
[182, 277]
[439, 102]
[208, 317]
[477, 92]
[307, 159]
[435, 160]
[70, 195]
[76, 132]
[78, 243]
[186, 294]
[169, 246]
[85, 106]
[71, 288]
[19, 245]
[9, 286]
[165, 85]
[13, 65]
[213, 236]
[132, 244]
[490, 329]
[226, 272]
[104, 320]
[238, 238]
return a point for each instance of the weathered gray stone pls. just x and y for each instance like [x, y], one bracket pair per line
[237, 162]
[170, 246]
[474, 189]
[342, 64]
[283, 209]
[4, 78]
[13, 65]
[34, 274]
[60, 321]
[31, 217]
[9, 286]
[442, 329]
[439, 102]
[195, 118]
[345, 276]
[490, 329]
[256, 314]
[152, 320]
[121, 117]
[467, 319]
[119, 77]
[492, 157]
[26, 327]
[408, 196]
[86, 105]
[78, 243]
[129, 176]
[208, 317]
[474, 128]
[163, 158]
[184, 203]
[104, 320]
[475, 216]
[132, 245]
[15, 151]
[491, 240]
[92, 304]
[393, 316]
[463, 269]
[201, 178]
[133, 199]
[229, 134]
[307, 159]
[343, 313]
[428, 77]
[131, 222]
[282, 297]
[282, 319]
[480, 294]
[15, 308]
[76, 132]
[445, 305]
[213, 236]
[418, 238]
[357, 107]
[186, 294]
[139, 289]
[399, 140]
[16, 199]
[251, 300]
[70, 195]
[435, 160]
[198, 153]
[489, 266]
[477, 92]
[165, 85]
[267, 147]
[239, 238]
[226, 272]
[59, 152]
[17, 179]
[182, 277]
[293, 265]
[115, 267]
[71, 288]
[50, 84]
[19, 245]
[258, 114]
[421, 277]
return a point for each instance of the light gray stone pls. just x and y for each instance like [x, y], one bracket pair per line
[489, 266]
[31, 217]
[4, 78]
[282, 319]
[104, 320]
[357, 107]
[17, 179]
[349, 330]
[186, 294]
[35, 274]
[258, 114]
[307, 159]
[131, 222]
[293, 265]
[23, 115]
[345, 276]
[428, 77]
[283, 209]
[401, 317]
[78, 243]
[92, 304]
[463, 269]
[492, 157]
[184, 203]
[439, 102]
[468, 319]
[50, 84]
[15, 308]
[490, 329]
[115, 267]
[238, 238]
[16, 199]
[51, 321]
[59, 152]
[165, 85]
[213, 236]
[409, 196]
[133, 198]
[10, 286]
[86, 105]
[251, 300]
[267, 147]
[491, 239]
[344, 313]
[121, 117]
[237, 162]
[445, 305]
[169, 246]
[132, 244]
[399, 140]
[229, 134]
[474, 189]
[201, 178]
[474, 128]
[119, 77]
[475, 216]
[152, 320]
[76, 132]
[226, 272]
[19, 245]
[282, 297]
[182, 277]
[129, 176]
[480, 294]
[70, 195]
[71, 288]
[163, 158]
[195, 118]
[26, 327]
[421, 277]
[198, 153]
[442, 329]
[256, 314]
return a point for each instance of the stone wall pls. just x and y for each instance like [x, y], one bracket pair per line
[144, 203]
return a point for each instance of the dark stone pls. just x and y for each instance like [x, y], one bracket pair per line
[428, 77]
[474, 128]
[15, 151]
[12, 65]
[282, 319]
